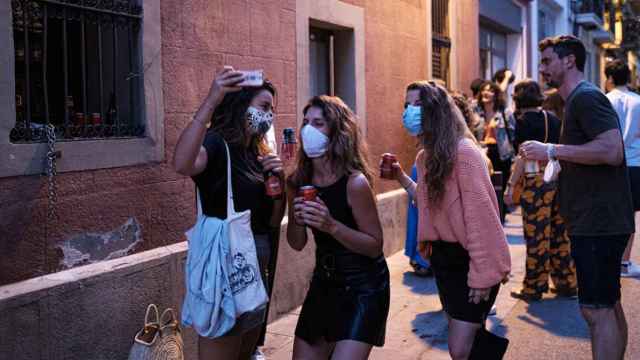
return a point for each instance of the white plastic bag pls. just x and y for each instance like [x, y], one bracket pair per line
[552, 171]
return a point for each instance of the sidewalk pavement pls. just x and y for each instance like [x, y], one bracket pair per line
[417, 328]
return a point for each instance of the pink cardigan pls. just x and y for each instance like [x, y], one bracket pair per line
[468, 214]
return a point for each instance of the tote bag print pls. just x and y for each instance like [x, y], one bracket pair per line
[243, 267]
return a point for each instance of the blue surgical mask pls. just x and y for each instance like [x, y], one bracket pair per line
[412, 119]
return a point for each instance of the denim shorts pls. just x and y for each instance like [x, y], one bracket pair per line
[597, 260]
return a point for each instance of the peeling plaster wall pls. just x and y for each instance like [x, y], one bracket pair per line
[93, 311]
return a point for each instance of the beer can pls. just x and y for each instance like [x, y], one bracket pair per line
[386, 169]
[308, 193]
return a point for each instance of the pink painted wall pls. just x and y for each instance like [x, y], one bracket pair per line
[198, 37]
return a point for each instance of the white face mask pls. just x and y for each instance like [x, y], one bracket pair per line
[314, 142]
[259, 121]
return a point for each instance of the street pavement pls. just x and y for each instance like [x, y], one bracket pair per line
[417, 329]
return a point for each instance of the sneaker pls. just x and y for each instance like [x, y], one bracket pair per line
[526, 297]
[629, 269]
[258, 355]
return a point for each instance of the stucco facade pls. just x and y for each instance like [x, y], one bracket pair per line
[152, 205]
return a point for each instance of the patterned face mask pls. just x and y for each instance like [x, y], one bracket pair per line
[259, 121]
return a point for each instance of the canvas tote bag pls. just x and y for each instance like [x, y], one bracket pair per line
[223, 278]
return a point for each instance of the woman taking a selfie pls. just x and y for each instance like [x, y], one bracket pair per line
[345, 310]
[459, 227]
[238, 116]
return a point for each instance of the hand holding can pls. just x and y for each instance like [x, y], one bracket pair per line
[387, 171]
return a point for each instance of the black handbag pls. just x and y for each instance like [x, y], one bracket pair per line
[488, 346]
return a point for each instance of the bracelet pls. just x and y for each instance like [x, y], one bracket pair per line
[551, 152]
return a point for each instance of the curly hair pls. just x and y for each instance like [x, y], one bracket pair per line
[347, 151]
[443, 126]
[498, 98]
[463, 105]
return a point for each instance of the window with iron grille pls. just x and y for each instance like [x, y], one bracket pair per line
[441, 41]
[78, 66]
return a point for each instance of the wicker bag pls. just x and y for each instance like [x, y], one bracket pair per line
[160, 339]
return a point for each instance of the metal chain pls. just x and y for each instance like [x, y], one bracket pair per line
[52, 191]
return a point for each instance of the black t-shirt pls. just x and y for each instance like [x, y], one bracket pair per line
[594, 199]
[530, 126]
[248, 192]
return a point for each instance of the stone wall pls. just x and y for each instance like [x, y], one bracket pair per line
[93, 311]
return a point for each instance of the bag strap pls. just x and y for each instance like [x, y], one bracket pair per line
[546, 126]
[154, 308]
[230, 205]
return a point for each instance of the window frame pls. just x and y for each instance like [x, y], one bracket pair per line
[19, 159]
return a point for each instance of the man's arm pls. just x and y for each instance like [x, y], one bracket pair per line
[605, 149]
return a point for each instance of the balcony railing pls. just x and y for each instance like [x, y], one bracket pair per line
[590, 13]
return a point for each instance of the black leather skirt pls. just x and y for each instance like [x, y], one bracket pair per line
[348, 300]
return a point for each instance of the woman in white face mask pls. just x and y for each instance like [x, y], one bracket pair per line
[239, 117]
[345, 310]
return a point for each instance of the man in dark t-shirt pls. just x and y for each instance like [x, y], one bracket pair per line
[594, 191]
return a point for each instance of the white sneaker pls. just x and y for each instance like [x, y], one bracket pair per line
[629, 269]
[258, 355]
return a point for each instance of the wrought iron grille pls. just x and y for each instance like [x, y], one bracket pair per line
[78, 67]
[441, 43]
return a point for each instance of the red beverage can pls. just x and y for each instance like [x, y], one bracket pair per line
[386, 169]
[96, 119]
[308, 193]
[272, 185]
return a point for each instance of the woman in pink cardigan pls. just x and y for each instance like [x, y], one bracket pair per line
[459, 226]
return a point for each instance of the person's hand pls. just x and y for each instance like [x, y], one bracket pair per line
[224, 82]
[534, 150]
[316, 214]
[271, 162]
[298, 210]
[478, 295]
[398, 172]
[507, 197]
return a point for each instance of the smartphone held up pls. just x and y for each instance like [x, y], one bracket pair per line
[251, 78]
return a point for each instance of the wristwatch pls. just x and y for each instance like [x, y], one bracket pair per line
[551, 152]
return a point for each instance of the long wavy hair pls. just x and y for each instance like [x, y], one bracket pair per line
[229, 120]
[443, 126]
[499, 102]
[347, 152]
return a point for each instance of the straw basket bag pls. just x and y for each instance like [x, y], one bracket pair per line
[160, 339]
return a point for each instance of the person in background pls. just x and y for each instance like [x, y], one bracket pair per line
[499, 131]
[504, 77]
[547, 241]
[627, 105]
[595, 197]
[421, 267]
[471, 117]
[554, 103]
[459, 226]
[475, 90]
[345, 311]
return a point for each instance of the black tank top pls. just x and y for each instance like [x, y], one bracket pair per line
[335, 197]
